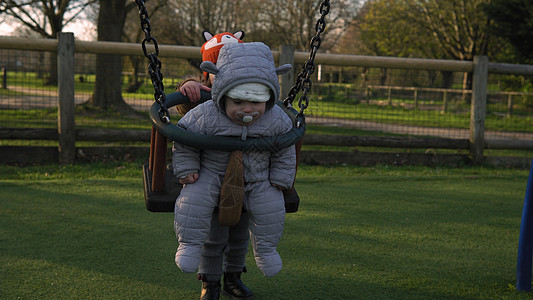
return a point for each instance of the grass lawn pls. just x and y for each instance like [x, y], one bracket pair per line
[82, 231]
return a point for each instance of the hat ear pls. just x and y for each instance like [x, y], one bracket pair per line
[209, 67]
[207, 35]
[283, 69]
[239, 34]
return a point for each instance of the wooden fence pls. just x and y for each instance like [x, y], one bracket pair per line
[65, 47]
[445, 95]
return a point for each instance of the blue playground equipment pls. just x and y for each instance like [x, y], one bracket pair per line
[525, 243]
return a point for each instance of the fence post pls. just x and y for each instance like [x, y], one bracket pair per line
[444, 101]
[4, 77]
[287, 79]
[65, 115]
[509, 105]
[415, 96]
[478, 108]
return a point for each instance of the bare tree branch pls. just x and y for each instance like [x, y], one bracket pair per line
[45, 17]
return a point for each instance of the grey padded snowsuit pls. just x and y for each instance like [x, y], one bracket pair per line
[237, 63]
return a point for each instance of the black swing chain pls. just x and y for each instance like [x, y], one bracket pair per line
[154, 65]
[303, 81]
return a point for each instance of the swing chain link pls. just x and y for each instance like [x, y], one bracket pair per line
[154, 65]
[303, 81]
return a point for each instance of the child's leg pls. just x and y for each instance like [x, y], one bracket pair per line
[213, 250]
[192, 218]
[238, 239]
[267, 211]
[225, 246]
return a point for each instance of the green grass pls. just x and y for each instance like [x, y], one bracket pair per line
[334, 105]
[86, 117]
[33, 81]
[380, 114]
[82, 231]
[414, 117]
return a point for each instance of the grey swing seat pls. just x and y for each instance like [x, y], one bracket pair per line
[162, 198]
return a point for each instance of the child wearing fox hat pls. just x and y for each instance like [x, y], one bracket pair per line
[224, 253]
[243, 96]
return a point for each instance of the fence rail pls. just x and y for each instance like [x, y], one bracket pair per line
[66, 46]
[445, 94]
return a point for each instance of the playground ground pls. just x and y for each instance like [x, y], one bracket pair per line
[81, 232]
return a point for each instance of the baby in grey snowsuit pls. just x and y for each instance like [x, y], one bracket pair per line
[243, 105]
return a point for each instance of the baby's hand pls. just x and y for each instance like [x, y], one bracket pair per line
[278, 187]
[191, 178]
[192, 89]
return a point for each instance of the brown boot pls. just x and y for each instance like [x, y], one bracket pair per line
[234, 288]
[210, 289]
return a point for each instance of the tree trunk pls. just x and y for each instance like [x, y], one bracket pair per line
[467, 85]
[41, 66]
[108, 84]
[447, 79]
[52, 67]
[56, 24]
[383, 76]
[364, 77]
[134, 84]
[432, 77]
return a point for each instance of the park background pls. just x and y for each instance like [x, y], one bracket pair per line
[385, 112]
[80, 230]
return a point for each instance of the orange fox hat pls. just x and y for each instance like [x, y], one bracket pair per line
[213, 43]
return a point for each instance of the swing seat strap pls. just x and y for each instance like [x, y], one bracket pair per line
[232, 191]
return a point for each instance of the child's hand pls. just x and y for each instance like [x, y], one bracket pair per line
[278, 187]
[192, 89]
[191, 178]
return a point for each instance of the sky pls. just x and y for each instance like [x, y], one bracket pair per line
[5, 29]
[82, 29]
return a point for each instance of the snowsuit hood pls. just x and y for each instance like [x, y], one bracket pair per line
[240, 63]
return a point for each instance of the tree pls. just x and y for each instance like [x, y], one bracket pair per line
[268, 21]
[133, 33]
[107, 92]
[512, 21]
[453, 29]
[47, 18]
[351, 42]
[386, 29]
[183, 21]
[293, 22]
[460, 28]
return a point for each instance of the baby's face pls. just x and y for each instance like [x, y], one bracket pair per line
[244, 112]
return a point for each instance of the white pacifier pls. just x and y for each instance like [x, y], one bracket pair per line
[247, 119]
